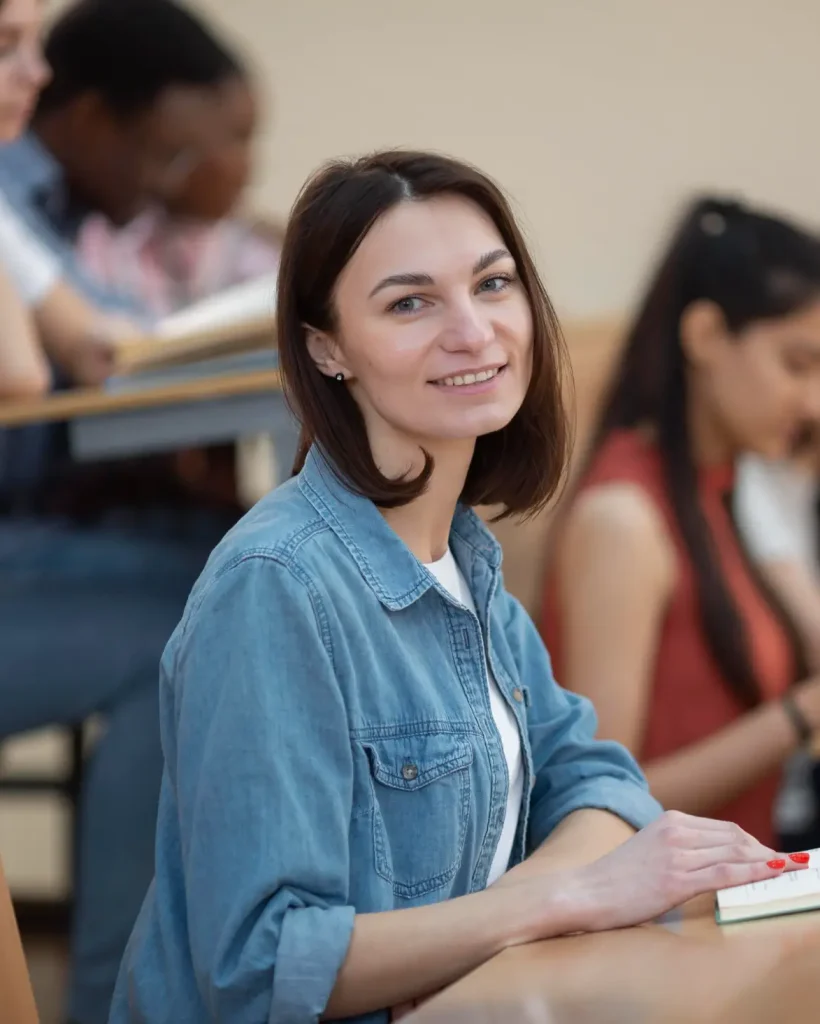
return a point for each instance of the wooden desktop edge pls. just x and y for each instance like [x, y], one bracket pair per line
[68, 405]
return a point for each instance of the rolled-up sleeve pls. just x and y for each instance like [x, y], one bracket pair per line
[571, 769]
[31, 266]
[262, 776]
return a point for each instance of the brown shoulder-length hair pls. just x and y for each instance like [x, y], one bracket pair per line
[519, 467]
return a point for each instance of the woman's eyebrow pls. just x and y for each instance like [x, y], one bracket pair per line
[417, 278]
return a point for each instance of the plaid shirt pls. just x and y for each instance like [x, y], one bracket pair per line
[169, 264]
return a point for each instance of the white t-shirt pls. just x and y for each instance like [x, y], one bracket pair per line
[775, 510]
[32, 267]
[449, 575]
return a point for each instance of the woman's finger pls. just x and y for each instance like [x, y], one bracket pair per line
[733, 853]
[725, 876]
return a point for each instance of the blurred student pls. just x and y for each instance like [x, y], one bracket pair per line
[133, 104]
[653, 609]
[86, 610]
[146, 111]
[194, 245]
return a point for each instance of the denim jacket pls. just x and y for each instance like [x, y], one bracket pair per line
[330, 750]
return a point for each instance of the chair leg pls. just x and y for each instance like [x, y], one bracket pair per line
[73, 788]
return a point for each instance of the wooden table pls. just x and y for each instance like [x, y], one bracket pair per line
[681, 970]
[184, 412]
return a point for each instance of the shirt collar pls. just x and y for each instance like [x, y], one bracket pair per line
[39, 167]
[49, 189]
[391, 570]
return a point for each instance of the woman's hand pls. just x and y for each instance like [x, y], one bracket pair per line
[95, 355]
[669, 862]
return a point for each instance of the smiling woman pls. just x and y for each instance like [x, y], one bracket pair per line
[470, 303]
[363, 739]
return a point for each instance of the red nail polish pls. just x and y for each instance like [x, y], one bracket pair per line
[776, 865]
[800, 858]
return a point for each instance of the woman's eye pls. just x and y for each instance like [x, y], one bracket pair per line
[409, 304]
[798, 366]
[497, 283]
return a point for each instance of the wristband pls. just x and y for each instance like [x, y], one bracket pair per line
[801, 724]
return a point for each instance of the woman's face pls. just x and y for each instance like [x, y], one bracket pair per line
[23, 71]
[433, 327]
[763, 384]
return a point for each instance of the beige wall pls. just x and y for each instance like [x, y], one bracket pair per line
[598, 115]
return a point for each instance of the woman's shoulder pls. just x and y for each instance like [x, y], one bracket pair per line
[283, 535]
[620, 503]
[625, 456]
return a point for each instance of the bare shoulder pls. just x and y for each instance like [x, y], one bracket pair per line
[620, 521]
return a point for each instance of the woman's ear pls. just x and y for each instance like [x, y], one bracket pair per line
[703, 333]
[325, 352]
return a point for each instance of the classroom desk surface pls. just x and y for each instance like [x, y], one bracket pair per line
[81, 402]
[678, 971]
[162, 417]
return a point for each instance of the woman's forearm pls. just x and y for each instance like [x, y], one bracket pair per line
[24, 371]
[404, 955]
[581, 838]
[78, 337]
[703, 776]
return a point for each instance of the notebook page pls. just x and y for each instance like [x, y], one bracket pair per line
[248, 301]
[791, 885]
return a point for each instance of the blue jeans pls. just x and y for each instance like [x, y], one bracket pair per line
[84, 618]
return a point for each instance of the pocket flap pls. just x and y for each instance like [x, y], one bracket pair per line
[410, 762]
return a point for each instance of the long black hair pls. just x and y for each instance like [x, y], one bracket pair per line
[753, 267]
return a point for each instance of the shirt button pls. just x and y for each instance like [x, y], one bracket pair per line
[410, 772]
[518, 695]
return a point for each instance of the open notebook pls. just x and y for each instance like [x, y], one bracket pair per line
[239, 319]
[790, 893]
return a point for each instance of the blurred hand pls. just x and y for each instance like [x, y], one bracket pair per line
[671, 861]
[94, 358]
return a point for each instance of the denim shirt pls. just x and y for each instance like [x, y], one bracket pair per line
[330, 750]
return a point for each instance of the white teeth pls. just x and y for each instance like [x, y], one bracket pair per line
[468, 378]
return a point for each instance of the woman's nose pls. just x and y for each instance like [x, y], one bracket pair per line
[469, 327]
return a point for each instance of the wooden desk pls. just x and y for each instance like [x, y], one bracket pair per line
[186, 412]
[682, 970]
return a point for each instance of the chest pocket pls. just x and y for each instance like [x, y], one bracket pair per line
[421, 807]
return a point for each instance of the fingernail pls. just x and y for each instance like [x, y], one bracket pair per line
[800, 858]
[776, 865]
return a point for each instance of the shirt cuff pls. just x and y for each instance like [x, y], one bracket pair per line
[630, 802]
[313, 944]
[36, 288]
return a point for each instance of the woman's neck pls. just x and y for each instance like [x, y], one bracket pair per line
[709, 442]
[424, 524]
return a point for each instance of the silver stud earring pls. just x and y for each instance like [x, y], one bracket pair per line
[340, 377]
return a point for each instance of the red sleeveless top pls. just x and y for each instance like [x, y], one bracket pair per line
[689, 698]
